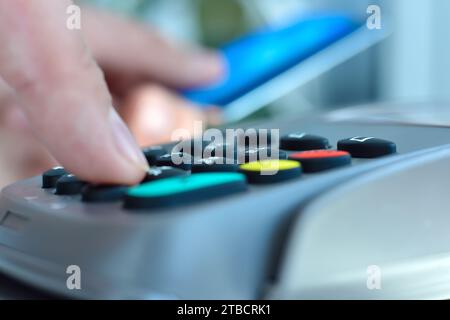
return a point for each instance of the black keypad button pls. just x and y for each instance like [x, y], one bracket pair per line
[220, 150]
[215, 164]
[69, 185]
[152, 153]
[261, 153]
[254, 138]
[367, 147]
[245, 154]
[167, 160]
[50, 177]
[103, 193]
[197, 147]
[321, 160]
[191, 147]
[302, 142]
[212, 148]
[158, 173]
[264, 138]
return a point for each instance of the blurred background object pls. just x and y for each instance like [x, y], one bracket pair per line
[216, 22]
[412, 65]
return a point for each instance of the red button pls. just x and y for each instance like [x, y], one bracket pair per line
[320, 160]
[314, 154]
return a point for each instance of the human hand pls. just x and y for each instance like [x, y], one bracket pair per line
[53, 89]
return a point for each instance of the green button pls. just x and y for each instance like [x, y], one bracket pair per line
[183, 190]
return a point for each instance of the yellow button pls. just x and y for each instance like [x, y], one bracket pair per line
[271, 171]
[270, 165]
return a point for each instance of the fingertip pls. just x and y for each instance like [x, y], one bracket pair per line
[130, 177]
[125, 142]
[204, 67]
[97, 147]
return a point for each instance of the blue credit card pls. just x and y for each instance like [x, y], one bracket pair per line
[258, 57]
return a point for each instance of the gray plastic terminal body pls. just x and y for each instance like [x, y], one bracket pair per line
[270, 242]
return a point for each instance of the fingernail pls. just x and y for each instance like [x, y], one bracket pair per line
[125, 141]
